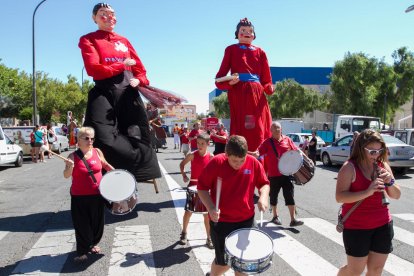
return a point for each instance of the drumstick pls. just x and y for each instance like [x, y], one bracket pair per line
[194, 180]
[261, 218]
[60, 156]
[218, 192]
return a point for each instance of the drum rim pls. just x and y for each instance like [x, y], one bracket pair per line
[252, 228]
[114, 171]
[296, 168]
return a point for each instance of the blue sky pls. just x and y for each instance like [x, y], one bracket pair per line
[182, 42]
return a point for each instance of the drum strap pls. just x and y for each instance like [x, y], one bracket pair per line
[274, 147]
[79, 153]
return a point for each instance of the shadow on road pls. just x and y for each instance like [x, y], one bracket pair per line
[37, 222]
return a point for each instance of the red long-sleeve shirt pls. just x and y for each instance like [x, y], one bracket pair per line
[104, 54]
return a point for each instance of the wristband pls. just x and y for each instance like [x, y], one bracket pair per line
[390, 184]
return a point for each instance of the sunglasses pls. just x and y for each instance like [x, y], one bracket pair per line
[374, 152]
[88, 138]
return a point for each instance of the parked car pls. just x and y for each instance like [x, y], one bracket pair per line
[299, 139]
[10, 153]
[405, 135]
[400, 155]
[61, 142]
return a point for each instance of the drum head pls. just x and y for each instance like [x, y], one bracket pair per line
[290, 162]
[249, 244]
[117, 185]
[192, 189]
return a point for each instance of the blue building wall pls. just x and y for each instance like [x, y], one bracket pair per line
[302, 75]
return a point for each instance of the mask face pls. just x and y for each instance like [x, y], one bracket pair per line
[246, 34]
[105, 19]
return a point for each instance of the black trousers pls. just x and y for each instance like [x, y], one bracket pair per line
[88, 219]
[281, 182]
[219, 148]
[113, 108]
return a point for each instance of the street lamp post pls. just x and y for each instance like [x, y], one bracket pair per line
[411, 8]
[35, 122]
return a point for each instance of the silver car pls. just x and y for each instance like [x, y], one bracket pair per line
[400, 155]
[61, 142]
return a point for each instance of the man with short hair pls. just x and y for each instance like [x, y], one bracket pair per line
[272, 149]
[239, 174]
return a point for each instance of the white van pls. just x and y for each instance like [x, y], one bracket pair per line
[10, 153]
[347, 124]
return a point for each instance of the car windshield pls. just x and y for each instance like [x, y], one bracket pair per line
[391, 140]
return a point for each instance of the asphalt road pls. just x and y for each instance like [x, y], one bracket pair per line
[36, 234]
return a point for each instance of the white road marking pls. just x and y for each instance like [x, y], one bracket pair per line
[3, 234]
[48, 255]
[132, 251]
[196, 233]
[297, 255]
[409, 217]
[394, 264]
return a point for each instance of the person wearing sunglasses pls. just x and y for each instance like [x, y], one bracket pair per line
[115, 108]
[368, 231]
[87, 205]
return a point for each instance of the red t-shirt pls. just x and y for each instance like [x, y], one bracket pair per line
[266, 150]
[194, 133]
[82, 183]
[218, 140]
[370, 213]
[237, 189]
[104, 54]
[198, 164]
[184, 138]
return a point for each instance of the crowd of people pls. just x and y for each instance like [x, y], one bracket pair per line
[118, 135]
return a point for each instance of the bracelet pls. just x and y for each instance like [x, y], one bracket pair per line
[390, 184]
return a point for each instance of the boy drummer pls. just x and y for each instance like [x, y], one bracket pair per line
[240, 174]
[199, 159]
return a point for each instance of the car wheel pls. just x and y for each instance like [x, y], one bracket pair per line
[19, 160]
[326, 160]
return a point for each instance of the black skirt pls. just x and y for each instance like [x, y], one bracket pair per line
[117, 113]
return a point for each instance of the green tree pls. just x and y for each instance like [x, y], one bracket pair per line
[291, 100]
[361, 84]
[221, 106]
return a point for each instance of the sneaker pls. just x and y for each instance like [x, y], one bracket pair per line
[296, 222]
[276, 220]
[183, 238]
[209, 243]
[208, 274]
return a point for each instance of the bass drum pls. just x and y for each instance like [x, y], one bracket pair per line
[297, 165]
[119, 188]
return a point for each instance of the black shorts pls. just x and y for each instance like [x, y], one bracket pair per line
[358, 242]
[278, 182]
[38, 144]
[219, 232]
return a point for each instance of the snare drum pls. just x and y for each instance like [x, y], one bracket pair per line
[194, 203]
[248, 250]
[294, 163]
[119, 188]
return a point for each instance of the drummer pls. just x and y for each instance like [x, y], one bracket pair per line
[199, 159]
[240, 174]
[87, 205]
[281, 144]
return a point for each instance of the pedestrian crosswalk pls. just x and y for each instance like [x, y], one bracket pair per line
[132, 247]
